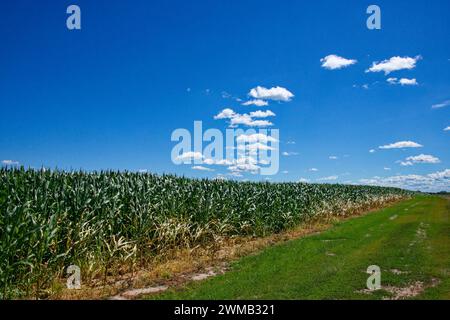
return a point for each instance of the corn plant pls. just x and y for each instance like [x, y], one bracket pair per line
[52, 219]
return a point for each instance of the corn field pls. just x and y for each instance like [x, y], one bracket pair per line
[52, 219]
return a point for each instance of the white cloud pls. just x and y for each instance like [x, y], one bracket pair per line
[275, 93]
[225, 114]
[246, 164]
[142, 170]
[225, 95]
[253, 148]
[221, 177]
[394, 64]
[332, 157]
[387, 169]
[285, 172]
[236, 174]
[209, 161]
[423, 158]
[433, 182]
[190, 156]
[244, 160]
[244, 167]
[401, 144]
[408, 82]
[10, 163]
[245, 119]
[330, 178]
[440, 174]
[403, 81]
[447, 129]
[256, 102]
[290, 142]
[372, 150]
[441, 105]
[406, 163]
[392, 80]
[201, 168]
[221, 162]
[303, 180]
[313, 169]
[288, 154]
[333, 62]
[262, 114]
[256, 137]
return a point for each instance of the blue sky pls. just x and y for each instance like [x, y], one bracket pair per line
[108, 96]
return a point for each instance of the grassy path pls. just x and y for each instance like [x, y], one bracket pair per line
[410, 242]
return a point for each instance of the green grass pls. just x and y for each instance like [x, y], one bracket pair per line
[332, 265]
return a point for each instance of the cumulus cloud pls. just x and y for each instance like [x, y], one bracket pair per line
[201, 168]
[313, 169]
[288, 154]
[372, 150]
[408, 82]
[244, 167]
[221, 162]
[433, 182]
[275, 93]
[422, 158]
[403, 81]
[440, 174]
[256, 102]
[333, 62]
[392, 80]
[441, 105]
[235, 174]
[303, 180]
[447, 129]
[262, 114]
[225, 114]
[394, 64]
[10, 163]
[401, 144]
[253, 148]
[387, 169]
[256, 137]
[245, 163]
[245, 119]
[190, 155]
[330, 178]
[220, 177]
